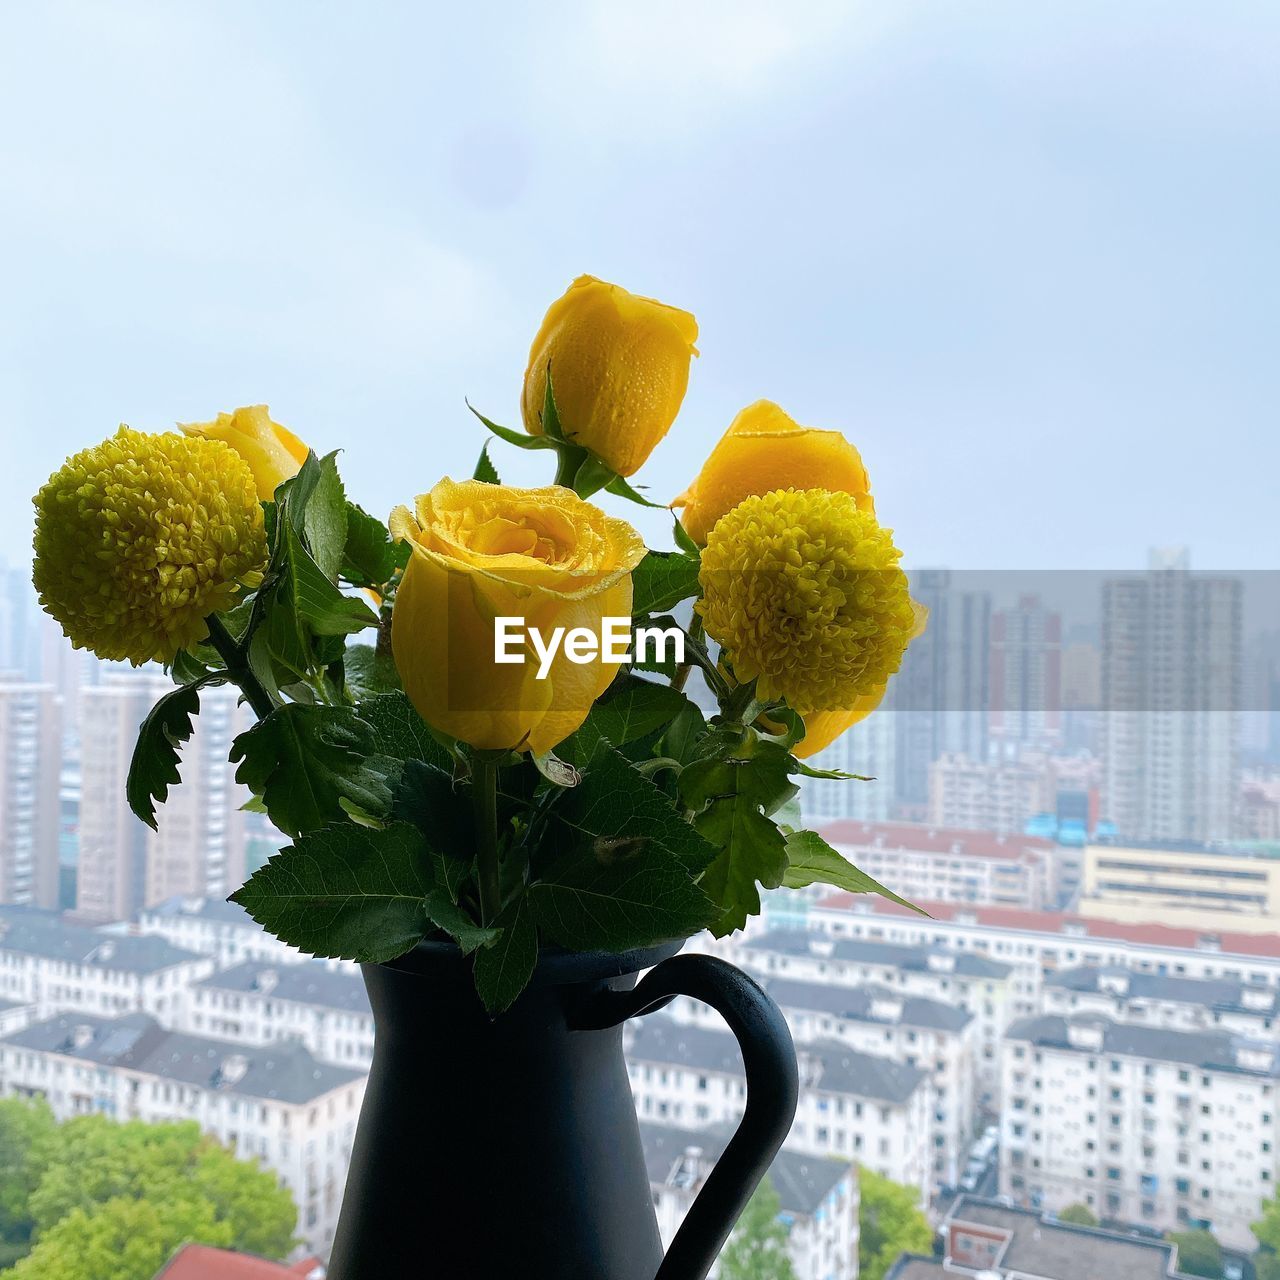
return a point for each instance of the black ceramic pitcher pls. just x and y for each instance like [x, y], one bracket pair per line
[508, 1149]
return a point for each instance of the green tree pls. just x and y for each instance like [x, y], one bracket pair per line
[758, 1248]
[28, 1133]
[1078, 1215]
[890, 1223]
[1199, 1253]
[1267, 1229]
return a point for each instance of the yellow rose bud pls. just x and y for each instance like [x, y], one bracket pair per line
[765, 449]
[619, 366]
[483, 552]
[273, 452]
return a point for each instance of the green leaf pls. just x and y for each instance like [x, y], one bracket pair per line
[485, 470]
[680, 741]
[154, 766]
[752, 850]
[661, 580]
[345, 892]
[425, 796]
[616, 806]
[619, 487]
[304, 760]
[811, 860]
[447, 915]
[631, 709]
[324, 521]
[521, 439]
[503, 969]
[683, 541]
[370, 557]
[402, 732]
[369, 672]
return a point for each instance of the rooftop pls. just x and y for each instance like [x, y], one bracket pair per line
[311, 982]
[281, 1072]
[821, 946]
[826, 1065]
[802, 1182]
[867, 1003]
[200, 1262]
[217, 910]
[1041, 1246]
[1018, 920]
[1206, 1050]
[920, 837]
[1225, 994]
[46, 935]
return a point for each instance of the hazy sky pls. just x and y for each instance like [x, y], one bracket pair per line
[1024, 255]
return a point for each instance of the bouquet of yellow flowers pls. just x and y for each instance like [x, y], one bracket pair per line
[509, 759]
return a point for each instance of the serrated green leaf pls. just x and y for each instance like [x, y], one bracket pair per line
[502, 970]
[324, 521]
[153, 768]
[683, 734]
[683, 541]
[485, 470]
[402, 732]
[303, 760]
[447, 915]
[369, 672]
[616, 803]
[661, 580]
[370, 557]
[426, 796]
[811, 860]
[520, 439]
[631, 708]
[752, 852]
[345, 892]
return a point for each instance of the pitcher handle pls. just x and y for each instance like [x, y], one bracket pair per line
[773, 1086]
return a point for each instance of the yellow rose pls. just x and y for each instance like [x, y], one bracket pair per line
[765, 449]
[273, 452]
[619, 365]
[484, 551]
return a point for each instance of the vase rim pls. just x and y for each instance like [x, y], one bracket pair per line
[432, 958]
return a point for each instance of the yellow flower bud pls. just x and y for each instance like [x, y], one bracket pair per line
[619, 366]
[483, 552]
[140, 538]
[765, 449]
[273, 452]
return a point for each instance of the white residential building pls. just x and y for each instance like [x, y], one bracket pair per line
[976, 983]
[253, 1003]
[943, 864]
[1041, 943]
[853, 1106]
[214, 927]
[940, 1039]
[819, 1197]
[1162, 1000]
[57, 967]
[276, 1103]
[1166, 1129]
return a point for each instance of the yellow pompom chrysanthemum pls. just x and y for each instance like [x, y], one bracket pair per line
[804, 593]
[140, 538]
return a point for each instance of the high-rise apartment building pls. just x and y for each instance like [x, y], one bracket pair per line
[198, 847]
[869, 750]
[1171, 678]
[30, 757]
[940, 696]
[1026, 677]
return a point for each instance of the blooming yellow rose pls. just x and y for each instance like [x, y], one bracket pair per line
[273, 452]
[140, 538]
[484, 551]
[619, 365]
[765, 449]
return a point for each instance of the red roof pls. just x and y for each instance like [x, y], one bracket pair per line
[1155, 935]
[200, 1262]
[921, 838]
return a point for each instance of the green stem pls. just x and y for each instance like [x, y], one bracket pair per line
[695, 633]
[741, 707]
[567, 463]
[484, 799]
[238, 667]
